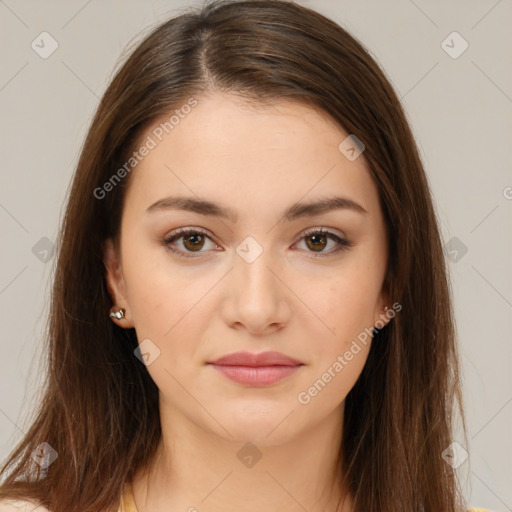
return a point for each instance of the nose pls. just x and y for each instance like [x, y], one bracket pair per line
[257, 298]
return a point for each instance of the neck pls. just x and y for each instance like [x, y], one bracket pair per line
[196, 470]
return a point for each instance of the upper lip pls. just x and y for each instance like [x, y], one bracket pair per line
[256, 360]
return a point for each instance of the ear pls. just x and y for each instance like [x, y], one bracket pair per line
[381, 318]
[115, 283]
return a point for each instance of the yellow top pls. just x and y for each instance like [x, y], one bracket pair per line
[128, 503]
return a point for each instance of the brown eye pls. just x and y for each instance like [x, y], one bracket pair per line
[317, 240]
[193, 241]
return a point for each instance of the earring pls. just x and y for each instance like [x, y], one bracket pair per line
[119, 314]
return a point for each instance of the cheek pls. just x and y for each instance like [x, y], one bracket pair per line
[343, 336]
[333, 382]
[345, 348]
[162, 299]
[337, 357]
[343, 306]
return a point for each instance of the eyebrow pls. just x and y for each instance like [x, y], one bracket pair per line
[295, 211]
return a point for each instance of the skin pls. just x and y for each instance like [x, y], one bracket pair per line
[257, 160]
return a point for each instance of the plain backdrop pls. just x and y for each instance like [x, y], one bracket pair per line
[458, 101]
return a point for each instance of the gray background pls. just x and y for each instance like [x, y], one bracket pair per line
[459, 109]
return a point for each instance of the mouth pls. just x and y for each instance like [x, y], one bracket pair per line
[256, 370]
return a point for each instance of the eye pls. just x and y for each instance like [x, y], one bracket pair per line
[316, 241]
[194, 240]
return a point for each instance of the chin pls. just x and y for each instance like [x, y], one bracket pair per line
[260, 425]
[243, 434]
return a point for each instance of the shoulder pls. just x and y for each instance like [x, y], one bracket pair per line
[11, 505]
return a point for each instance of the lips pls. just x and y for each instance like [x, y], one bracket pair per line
[256, 360]
[256, 370]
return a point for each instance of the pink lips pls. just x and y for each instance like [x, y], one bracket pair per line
[256, 369]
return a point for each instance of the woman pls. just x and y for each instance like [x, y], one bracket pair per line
[250, 308]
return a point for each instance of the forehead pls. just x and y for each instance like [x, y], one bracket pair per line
[229, 150]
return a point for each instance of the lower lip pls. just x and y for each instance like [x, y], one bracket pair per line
[256, 376]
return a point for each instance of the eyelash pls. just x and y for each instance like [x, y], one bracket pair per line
[167, 241]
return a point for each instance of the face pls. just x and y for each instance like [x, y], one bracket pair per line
[249, 272]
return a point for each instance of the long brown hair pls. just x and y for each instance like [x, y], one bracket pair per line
[99, 410]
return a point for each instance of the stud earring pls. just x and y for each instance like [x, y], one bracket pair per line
[119, 314]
